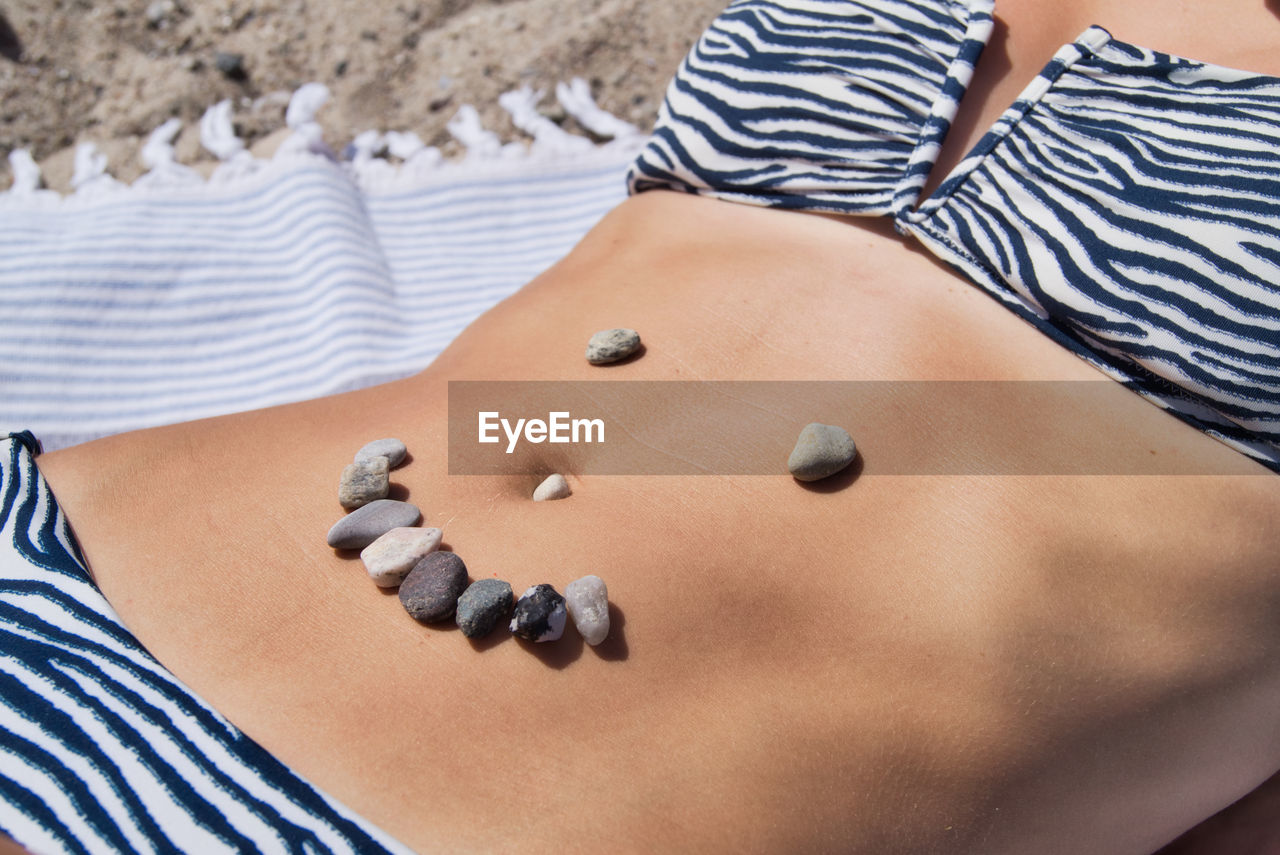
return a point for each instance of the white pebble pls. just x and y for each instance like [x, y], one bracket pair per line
[612, 345]
[554, 487]
[587, 600]
[390, 558]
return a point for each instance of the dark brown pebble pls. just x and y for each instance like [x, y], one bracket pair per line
[430, 592]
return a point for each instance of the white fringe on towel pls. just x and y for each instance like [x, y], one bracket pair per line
[364, 157]
[174, 298]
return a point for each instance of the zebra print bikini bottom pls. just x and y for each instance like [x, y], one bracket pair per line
[1127, 204]
[101, 748]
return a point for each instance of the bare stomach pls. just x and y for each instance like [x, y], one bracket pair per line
[940, 663]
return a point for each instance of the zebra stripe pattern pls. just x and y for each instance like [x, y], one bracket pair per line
[1128, 203]
[101, 748]
[815, 104]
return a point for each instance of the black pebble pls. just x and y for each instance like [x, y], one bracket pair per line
[540, 614]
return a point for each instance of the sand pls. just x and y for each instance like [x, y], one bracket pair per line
[73, 71]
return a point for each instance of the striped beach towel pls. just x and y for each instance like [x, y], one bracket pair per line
[314, 272]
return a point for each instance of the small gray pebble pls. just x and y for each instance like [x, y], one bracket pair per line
[820, 451]
[392, 449]
[611, 345]
[364, 525]
[364, 482]
[430, 592]
[230, 64]
[539, 614]
[587, 600]
[482, 605]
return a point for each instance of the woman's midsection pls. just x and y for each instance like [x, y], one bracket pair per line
[784, 661]
[731, 292]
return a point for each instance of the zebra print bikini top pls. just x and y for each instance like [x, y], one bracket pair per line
[1127, 204]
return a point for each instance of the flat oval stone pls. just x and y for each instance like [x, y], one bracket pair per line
[364, 525]
[430, 592]
[389, 558]
[392, 449]
[821, 450]
[539, 614]
[611, 345]
[587, 600]
[364, 482]
[482, 605]
[554, 487]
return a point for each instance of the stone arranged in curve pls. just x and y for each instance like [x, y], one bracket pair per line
[390, 558]
[366, 524]
[482, 605]
[821, 451]
[431, 589]
[392, 449]
[364, 482]
[587, 601]
[539, 614]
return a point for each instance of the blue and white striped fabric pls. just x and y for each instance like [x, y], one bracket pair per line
[101, 748]
[147, 305]
[825, 105]
[1127, 204]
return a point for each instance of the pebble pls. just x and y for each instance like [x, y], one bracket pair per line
[364, 482]
[611, 345]
[430, 592]
[392, 449]
[587, 600]
[390, 558]
[482, 605]
[539, 614]
[554, 487]
[821, 450]
[364, 525]
[230, 64]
